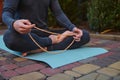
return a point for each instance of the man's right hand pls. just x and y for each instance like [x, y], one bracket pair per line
[60, 37]
[23, 26]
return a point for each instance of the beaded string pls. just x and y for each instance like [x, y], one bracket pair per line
[51, 52]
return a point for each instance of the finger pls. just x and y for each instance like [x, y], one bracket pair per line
[81, 32]
[71, 34]
[75, 37]
[29, 30]
[28, 26]
[24, 31]
[31, 26]
[78, 35]
[77, 40]
[27, 22]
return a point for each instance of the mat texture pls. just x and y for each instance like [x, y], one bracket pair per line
[57, 60]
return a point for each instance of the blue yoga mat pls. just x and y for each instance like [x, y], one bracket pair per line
[57, 60]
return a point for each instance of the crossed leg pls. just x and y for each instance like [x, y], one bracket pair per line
[59, 38]
[23, 43]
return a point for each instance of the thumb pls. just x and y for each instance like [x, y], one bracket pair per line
[30, 26]
[33, 25]
[27, 22]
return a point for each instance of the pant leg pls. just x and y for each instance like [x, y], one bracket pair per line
[22, 43]
[84, 39]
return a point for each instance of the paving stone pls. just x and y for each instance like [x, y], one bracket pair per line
[94, 76]
[1, 78]
[101, 45]
[115, 65]
[5, 53]
[3, 62]
[72, 73]
[8, 74]
[115, 45]
[105, 55]
[109, 71]
[2, 69]
[1, 55]
[25, 63]
[90, 44]
[117, 38]
[50, 71]
[101, 42]
[103, 62]
[105, 47]
[105, 41]
[2, 58]
[70, 66]
[29, 68]
[88, 60]
[94, 39]
[115, 56]
[86, 68]
[30, 76]
[2, 31]
[18, 59]
[9, 56]
[42, 63]
[117, 77]
[98, 42]
[115, 49]
[10, 60]
[10, 66]
[1, 52]
[60, 76]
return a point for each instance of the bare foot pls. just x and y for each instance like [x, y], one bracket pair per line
[33, 51]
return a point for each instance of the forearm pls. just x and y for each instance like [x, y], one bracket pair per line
[64, 21]
[7, 19]
[60, 16]
[9, 10]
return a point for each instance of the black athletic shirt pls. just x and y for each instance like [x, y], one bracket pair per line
[35, 11]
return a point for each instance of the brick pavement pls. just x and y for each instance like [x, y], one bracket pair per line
[101, 67]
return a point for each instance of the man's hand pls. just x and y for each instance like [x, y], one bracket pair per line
[54, 39]
[78, 33]
[60, 37]
[23, 26]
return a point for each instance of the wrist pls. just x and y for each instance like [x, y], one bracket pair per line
[75, 28]
[13, 23]
[53, 39]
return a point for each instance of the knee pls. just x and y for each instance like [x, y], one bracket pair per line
[9, 40]
[86, 36]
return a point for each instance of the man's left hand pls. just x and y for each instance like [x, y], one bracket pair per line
[78, 33]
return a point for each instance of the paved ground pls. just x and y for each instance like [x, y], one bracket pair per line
[101, 67]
